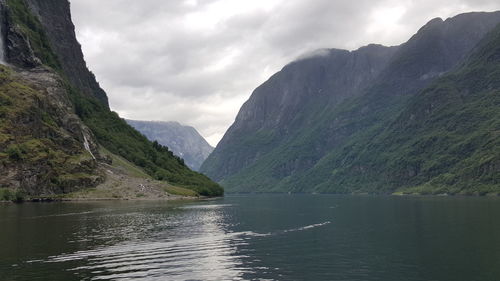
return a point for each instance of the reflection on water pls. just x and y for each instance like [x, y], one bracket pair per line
[139, 241]
[254, 238]
[209, 254]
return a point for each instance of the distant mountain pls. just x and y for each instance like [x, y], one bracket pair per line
[184, 141]
[420, 117]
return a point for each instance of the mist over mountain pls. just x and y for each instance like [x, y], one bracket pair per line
[347, 121]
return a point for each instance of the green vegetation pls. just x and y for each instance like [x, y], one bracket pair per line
[121, 162]
[180, 191]
[6, 194]
[121, 139]
[17, 196]
[444, 141]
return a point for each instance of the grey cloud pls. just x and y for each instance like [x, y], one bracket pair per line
[156, 67]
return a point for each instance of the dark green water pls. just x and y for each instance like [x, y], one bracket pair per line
[265, 237]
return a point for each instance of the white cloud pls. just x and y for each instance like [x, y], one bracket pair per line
[197, 61]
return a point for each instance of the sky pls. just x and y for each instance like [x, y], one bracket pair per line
[198, 61]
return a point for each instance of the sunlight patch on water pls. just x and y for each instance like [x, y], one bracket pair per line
[201, 249]
[213, 256]
[194, 244]
[203, 258]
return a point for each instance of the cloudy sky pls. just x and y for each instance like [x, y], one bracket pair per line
[197, 61]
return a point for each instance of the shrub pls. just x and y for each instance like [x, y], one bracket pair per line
[6, 194]
[15, 153]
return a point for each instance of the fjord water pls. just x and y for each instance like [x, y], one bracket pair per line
[254, 237]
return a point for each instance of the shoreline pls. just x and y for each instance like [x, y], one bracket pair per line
[206, 198]
[72, 200]
[395, 194]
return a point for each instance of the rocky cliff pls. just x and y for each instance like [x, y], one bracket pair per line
[55, 18]
[294, 132]
[184, 141]
[280, 109]
[45, 148]
[57, 134]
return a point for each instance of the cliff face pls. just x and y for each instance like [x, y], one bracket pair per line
[282, 107]
[55, 18]
[55, 120]
[44, 146]
[315, 109]
[184, 141]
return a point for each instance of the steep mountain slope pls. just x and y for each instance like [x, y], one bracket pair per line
[42, 141]
[254, 156]
[288, 102]
[55, 117]
[183, 141]
[445, 140]
[53, 16]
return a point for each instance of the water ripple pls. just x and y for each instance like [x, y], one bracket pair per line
[194, 245]
[209, 258]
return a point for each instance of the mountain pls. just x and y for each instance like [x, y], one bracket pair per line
[57, 134]
[184, 141]
[410, 118]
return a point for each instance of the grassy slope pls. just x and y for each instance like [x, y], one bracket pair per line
[110, 130]
[134, 171]
[127, 181]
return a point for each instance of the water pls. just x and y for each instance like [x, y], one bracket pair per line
[273, 237]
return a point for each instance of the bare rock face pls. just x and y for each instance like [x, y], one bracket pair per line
[184, 141]
[17, 48]
[19, 51]
[55, 18]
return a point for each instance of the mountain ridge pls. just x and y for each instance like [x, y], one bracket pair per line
[184, 141]
[261, 158]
